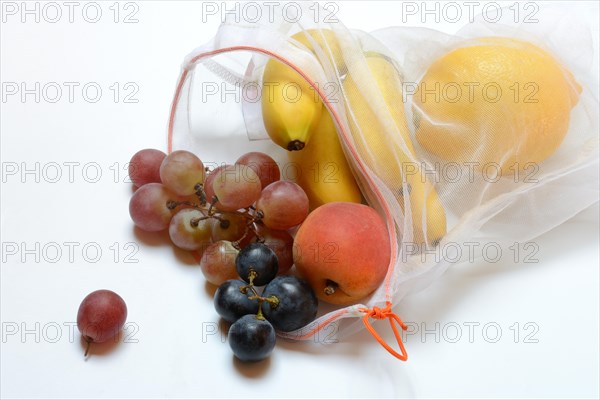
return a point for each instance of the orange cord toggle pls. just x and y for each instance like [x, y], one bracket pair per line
[379, 313]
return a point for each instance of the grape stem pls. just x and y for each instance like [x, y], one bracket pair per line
[213, 201]
[251, 277]
[172, 204]
[195, 221]
[259, 314]
[259, 239]
[87, 347]
[200, 193]
[259, 215]
[249, 213]
[272, 300]
[249, 227]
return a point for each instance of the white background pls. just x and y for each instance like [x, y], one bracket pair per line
[547, 311]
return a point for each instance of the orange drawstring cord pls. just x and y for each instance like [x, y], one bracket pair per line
[379, 313]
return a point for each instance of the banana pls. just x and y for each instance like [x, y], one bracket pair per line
[392, 159]
[291, 108]
[321, 167]
[328, 44]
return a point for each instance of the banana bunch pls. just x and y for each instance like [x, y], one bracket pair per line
[323, 171]
[394, 160]
[305, 128]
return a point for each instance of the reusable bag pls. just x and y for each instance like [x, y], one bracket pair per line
[489, 191]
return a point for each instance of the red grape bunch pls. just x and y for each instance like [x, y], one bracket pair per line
[216, 212]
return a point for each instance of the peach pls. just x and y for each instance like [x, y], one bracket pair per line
[343, 251]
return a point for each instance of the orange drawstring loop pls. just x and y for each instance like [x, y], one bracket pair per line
[379, 313]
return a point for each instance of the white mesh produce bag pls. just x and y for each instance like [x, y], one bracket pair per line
[493, 168]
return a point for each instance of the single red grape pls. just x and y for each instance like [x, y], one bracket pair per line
[283, 205]
[144, 167]
[148, 207]
[181, 171]
[265, 167]
[236, 186]
[101, 316]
